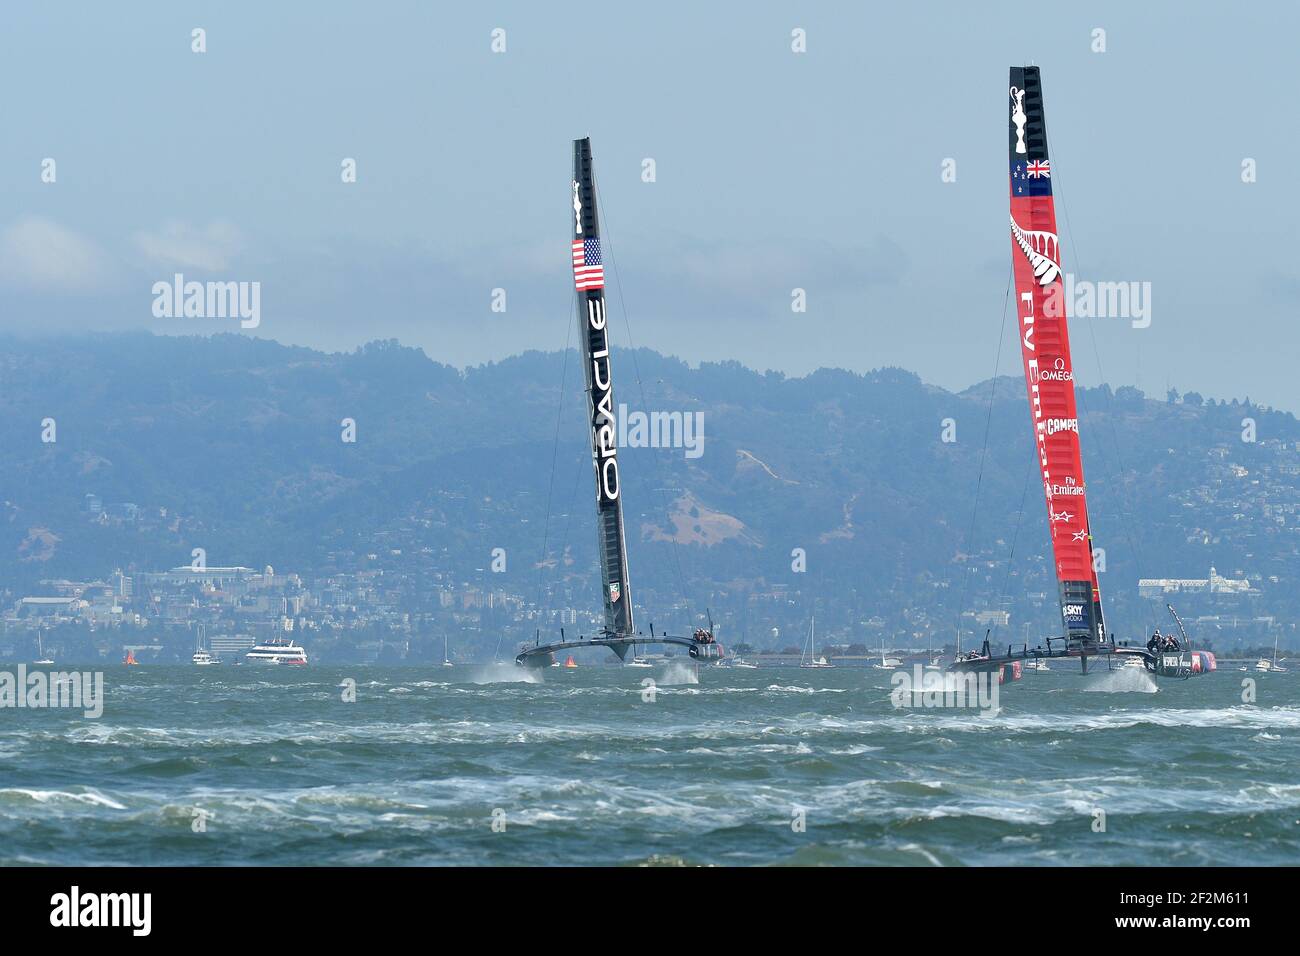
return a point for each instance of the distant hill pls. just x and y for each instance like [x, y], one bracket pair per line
[233, 444]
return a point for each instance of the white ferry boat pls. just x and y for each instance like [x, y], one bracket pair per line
[277, 652]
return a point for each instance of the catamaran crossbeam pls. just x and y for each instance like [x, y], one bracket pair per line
[541, 655]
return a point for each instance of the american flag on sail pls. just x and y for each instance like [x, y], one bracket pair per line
[588, 273]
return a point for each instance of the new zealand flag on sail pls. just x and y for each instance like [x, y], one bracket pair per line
[1031, 177]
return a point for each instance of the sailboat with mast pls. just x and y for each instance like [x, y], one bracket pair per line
[887, 663]
[43, 661]
[1264, 665]
[1049, 380]
[446, 658]
[809, 657]
[619, 633]
[932, 661]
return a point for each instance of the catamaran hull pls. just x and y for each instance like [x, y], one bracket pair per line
[1173, 664]
[541, 655]
[1185, 664]
[1006, 669]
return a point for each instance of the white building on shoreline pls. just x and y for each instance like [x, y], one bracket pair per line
[1214, 584]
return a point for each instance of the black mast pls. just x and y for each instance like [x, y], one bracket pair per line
[589, 279]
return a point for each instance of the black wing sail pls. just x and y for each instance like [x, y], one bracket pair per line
[589, 279]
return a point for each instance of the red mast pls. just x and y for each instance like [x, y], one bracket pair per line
[1045, 349]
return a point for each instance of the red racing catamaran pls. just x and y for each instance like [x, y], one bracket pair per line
[1042, 325]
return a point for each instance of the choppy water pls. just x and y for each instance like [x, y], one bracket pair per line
[710, 772]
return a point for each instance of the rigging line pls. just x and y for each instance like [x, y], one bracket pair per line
[1092, 334]
[988, 425]
[568, 520]
[555, 449]
[636, 369]
[570, 322]
[1015, 535]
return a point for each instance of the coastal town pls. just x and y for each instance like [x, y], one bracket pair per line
[387, 615]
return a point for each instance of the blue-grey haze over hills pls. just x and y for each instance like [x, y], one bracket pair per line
[775, 170]
[234, 445]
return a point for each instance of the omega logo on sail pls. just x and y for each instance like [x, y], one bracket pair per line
[1058, 373]
[605, 443]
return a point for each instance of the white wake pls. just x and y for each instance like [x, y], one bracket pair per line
[1125, 680]
[500, 672]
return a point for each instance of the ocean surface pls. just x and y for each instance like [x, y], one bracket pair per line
[269, 765]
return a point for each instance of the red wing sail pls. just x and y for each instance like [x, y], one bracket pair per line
[1045, 348]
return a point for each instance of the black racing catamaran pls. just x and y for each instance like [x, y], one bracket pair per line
[618, 633]
[1049, 378]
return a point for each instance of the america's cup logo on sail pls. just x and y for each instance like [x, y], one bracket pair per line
[1018, 117]
[577, 210]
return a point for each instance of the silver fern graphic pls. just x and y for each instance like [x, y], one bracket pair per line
[1042, 249]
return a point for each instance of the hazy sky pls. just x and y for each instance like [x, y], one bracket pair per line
[775, 170]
